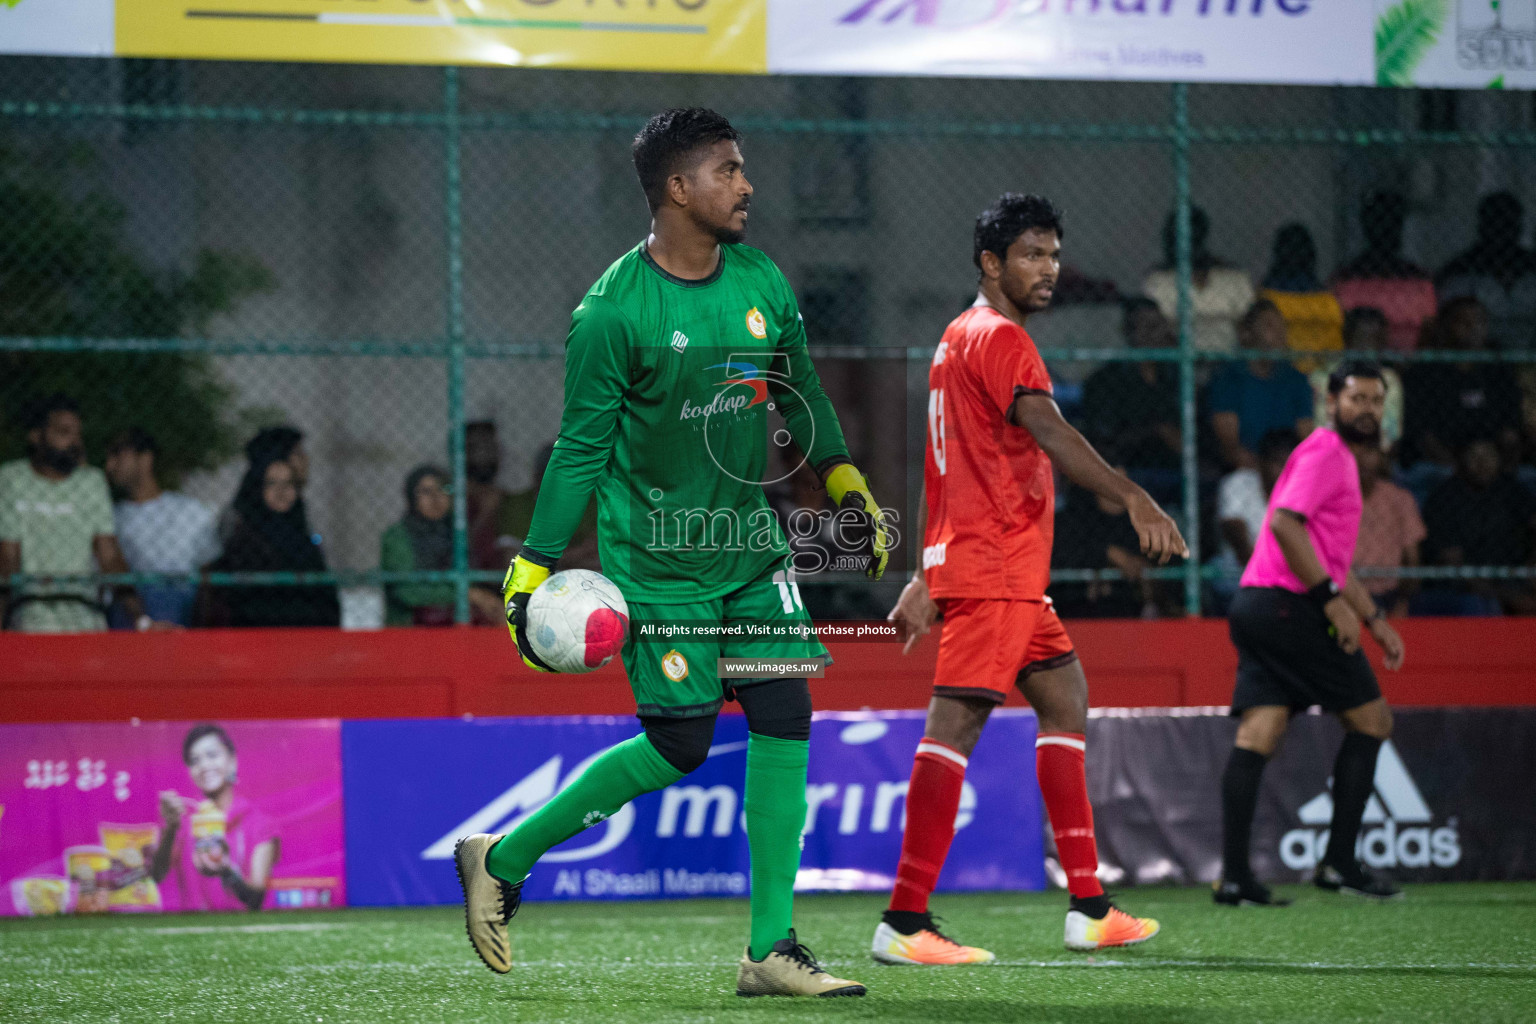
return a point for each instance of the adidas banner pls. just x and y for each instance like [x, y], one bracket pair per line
[413, 787]
[1451, 799]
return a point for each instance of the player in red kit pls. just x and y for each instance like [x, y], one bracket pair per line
[993, 434]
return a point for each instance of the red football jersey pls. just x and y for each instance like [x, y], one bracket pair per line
[991, 500]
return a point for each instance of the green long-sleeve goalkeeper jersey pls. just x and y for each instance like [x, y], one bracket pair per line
[669, 386]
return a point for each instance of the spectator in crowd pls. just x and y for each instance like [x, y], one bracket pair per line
[273, 536]
[1093, 533]
[1219, 292]
[1365, 332]
[158, 530]
[581, 553]
[1131, 410]
[1313, 319]
[422, 541]
[1391, 531]
[1479, 517]
[1450, 404]
[286, 443]
[491, 511]
[1381, 278]
[56, 518]
[1241, 500]
[1249, 399]
[1497, 271]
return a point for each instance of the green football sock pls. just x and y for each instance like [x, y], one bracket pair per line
[620, 774]
[775, 808]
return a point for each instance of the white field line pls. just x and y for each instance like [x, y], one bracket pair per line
[245, 929]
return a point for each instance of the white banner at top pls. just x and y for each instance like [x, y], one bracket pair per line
[1294, 41]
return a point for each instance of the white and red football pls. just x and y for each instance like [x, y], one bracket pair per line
[577, 621]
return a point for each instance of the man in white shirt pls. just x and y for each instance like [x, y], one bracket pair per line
[1241, 500]
[159, 531]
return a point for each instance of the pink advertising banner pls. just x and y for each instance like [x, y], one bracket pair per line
[106, 817]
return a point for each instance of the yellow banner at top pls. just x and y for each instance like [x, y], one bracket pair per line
[618, 35]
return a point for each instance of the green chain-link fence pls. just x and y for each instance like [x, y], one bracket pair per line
[386, 260]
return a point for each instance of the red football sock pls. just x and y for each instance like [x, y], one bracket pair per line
[933, 800]
[1064, 784]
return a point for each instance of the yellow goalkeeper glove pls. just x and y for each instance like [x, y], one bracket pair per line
[522, 579]
[859, 518]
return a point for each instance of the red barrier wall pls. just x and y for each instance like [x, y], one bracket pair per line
[433, 672]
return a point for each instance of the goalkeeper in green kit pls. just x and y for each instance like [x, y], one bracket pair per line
[675, 358]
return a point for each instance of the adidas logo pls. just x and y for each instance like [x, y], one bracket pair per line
[1396, 802]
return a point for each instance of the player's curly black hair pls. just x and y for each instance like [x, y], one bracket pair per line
[1012, 214]
[665, 143]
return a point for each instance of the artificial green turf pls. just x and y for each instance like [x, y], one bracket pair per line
[1462, 953]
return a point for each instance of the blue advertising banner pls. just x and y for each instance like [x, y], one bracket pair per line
[412, 787]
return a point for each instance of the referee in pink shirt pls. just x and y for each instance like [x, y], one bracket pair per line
[1296, 624]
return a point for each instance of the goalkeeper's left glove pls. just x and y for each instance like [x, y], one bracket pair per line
[523, 577]
[858, 513]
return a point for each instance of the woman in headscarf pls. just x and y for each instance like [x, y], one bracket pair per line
[422, 541]
[273, 535]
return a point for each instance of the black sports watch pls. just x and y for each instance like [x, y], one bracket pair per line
[1324, 592]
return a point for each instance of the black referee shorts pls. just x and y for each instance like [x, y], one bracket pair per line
[1286, 657]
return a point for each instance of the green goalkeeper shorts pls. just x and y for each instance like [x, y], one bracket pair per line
[672, 650]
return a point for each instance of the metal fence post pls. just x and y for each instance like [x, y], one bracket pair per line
[1182, 271]
[454, 248]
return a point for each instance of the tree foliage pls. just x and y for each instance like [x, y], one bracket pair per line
[67, 270]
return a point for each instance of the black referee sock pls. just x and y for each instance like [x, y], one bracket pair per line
[1354, 776]
[1239, 799]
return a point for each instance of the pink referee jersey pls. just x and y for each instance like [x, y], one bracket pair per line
[1321, 482]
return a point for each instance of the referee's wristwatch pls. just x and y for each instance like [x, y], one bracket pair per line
[1324, 592]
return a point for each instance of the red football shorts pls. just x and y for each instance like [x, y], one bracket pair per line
[989, 646]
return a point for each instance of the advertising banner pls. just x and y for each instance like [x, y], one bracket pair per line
[1446, 805]
[1456, 44]
[415, 786]
[72, 28]
[659, 35]
[1293, 41]
[106, 817]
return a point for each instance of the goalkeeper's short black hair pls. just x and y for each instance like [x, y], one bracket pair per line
[1014, 213]
[667, 141]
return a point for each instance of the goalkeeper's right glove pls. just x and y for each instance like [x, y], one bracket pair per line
[523, 577]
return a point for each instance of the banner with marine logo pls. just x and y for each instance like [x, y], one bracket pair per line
[413, 787]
